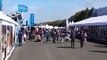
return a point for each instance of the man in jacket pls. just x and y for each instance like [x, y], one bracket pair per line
[72, 36]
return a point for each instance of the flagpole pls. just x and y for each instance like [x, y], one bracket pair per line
[67, 26]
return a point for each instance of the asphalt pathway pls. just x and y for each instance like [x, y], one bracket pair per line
[59, 51]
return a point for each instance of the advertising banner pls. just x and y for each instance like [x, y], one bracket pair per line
[0, 5]
[22, 8]
[31, 20]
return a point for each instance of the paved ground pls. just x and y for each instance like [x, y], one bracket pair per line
[59, 51]
[0, 54]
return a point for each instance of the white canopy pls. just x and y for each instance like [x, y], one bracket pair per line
[6, 18]
[46, 26]
[70, 23]
[100, 20]
[56, 27]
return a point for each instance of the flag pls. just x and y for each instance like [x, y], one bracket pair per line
[0, 5]
[22, 8]
[67, 22]
[31, 20]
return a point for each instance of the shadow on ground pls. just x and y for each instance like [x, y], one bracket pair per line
[101, 46]
[98, 51]
[63, 47]
[67, 47]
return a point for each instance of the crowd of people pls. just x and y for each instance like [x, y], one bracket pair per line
[54, 35]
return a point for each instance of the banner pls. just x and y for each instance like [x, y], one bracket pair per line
[0, 5]
[31, 20]
[22, 8]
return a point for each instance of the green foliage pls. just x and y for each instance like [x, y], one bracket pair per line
[81, 15]
[59, 23]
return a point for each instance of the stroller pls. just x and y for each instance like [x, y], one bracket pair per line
[38, 38]
[67, 37]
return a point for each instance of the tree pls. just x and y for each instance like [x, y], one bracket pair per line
[81, 15]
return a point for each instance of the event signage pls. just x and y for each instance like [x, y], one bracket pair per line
[32, 20]
[22, 8]
[0, 5]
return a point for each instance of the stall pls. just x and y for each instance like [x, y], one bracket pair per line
[7, 35]
[0, 41]
[96, 29]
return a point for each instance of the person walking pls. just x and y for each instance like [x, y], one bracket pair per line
[30, 36]
[57, 34]
[40, 33]
[82, 38]
[72, 37]
[24, 36]
[47, 35]
[54, 35]
[20, 34]
[67, 37]
[62, 37]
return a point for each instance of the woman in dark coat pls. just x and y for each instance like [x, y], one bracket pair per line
[20, 38]
[81, 38]
[72, 37]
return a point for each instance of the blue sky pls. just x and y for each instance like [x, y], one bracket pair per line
[49, 10]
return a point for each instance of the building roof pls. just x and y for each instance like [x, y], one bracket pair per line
[6, 18]
[100, 20]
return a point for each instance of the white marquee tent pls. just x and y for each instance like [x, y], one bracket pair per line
[100, 20]
[6, 18]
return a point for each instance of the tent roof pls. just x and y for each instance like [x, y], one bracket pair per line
[100, 20]
[6, 18]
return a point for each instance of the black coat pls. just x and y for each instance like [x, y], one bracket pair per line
[20, 36]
